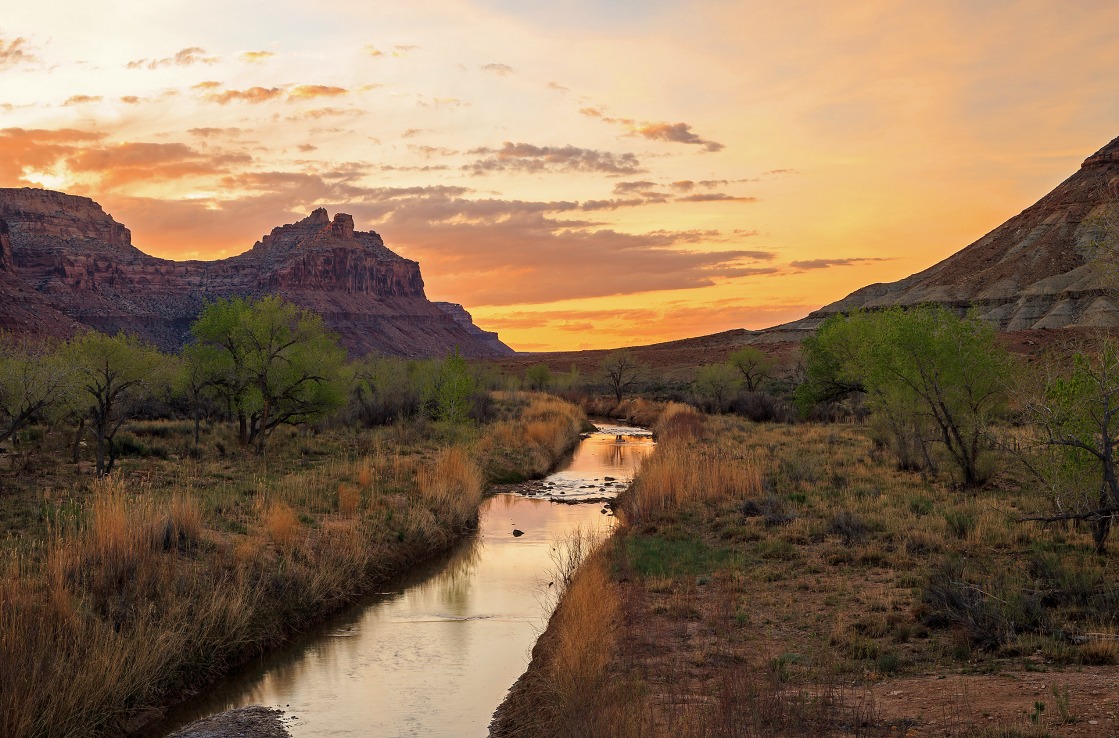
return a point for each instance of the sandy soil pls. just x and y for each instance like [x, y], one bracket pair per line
[935, 706]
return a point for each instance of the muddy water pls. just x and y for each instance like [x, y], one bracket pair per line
[435, 656]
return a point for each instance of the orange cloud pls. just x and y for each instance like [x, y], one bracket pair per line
[255, 57]
[81, 100]
[15, 51]
[499, 69]
[674, 133]
[183, 58]
[23, 150]
[253, 95]
[671, 132]
[311, 91]
[128, 163]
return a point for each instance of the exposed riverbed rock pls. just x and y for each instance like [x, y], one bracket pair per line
[244, 722]
[1038, 270]
[65, 263]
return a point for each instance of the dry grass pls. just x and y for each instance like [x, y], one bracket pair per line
[771, 576]
[138, 586]
[529, 446]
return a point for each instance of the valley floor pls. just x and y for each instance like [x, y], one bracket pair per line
[775, 580]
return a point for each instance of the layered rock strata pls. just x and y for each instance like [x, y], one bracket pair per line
[1040, 269]
[72, 265]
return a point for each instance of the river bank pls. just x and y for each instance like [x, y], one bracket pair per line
[152, 584]
[434, 652]
[775, 580]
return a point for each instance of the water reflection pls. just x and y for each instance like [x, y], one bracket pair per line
[435, 656]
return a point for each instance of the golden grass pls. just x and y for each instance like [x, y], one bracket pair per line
[282, 525]
[772, 574]
[681, 474]
[147, 583]
[349, 498]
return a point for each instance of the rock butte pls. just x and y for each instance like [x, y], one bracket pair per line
[1035, 271]
[65, 264]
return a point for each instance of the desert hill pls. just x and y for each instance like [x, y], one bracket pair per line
[65, 264]
[1035, 271]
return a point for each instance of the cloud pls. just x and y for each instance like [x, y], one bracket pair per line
[209, 131]
[26, 152]
[209, 84]
[671, 132]
[329, 112]
[558, 87]
[255, 57]
[412, 132]
[674, 133]
[526, 157]
[828, 263]
[487, 251]
[253, 95]
[182, 58]
[429, 151]
[130, 99]
[81, 100]
[372, 51]
[302, 92]
[499, 69]
[27, 156]
[15, 51]
[626, 188]
[126, 163]
[714, 197]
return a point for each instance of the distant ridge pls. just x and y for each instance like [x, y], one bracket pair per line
[1032, 272]
[65, 264]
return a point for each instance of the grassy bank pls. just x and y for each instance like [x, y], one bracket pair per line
[118, 594]
[778, 580]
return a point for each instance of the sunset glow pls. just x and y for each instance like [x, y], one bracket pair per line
[577, 176]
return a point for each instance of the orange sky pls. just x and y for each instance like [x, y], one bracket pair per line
[575, 175]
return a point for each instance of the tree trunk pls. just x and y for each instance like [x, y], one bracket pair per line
[77, 450]
[242, 429]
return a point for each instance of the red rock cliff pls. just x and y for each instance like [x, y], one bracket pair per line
[67, 253]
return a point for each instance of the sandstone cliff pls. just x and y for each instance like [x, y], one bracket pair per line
[65, 263]
[1037, 270]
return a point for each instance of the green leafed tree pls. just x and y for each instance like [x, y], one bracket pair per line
[538, 377]
[930, 376]
[1077, 412]
[453, 389]
[753, 365]
[33, 378]
[271, 363]
[718, 383]
[112, 376]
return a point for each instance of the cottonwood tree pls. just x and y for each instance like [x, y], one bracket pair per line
[753, 364]
[1077, 413]
[539, 376]
[32, 379]
[934, 377]
[112, 377]
[622, 373]
[271, 362]
[453, 389]
[718, 382]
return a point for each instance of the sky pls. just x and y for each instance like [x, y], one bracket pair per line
[577, 174]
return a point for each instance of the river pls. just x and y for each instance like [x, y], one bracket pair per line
[435, 655]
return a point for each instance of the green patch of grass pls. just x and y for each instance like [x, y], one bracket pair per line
[655, 556]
